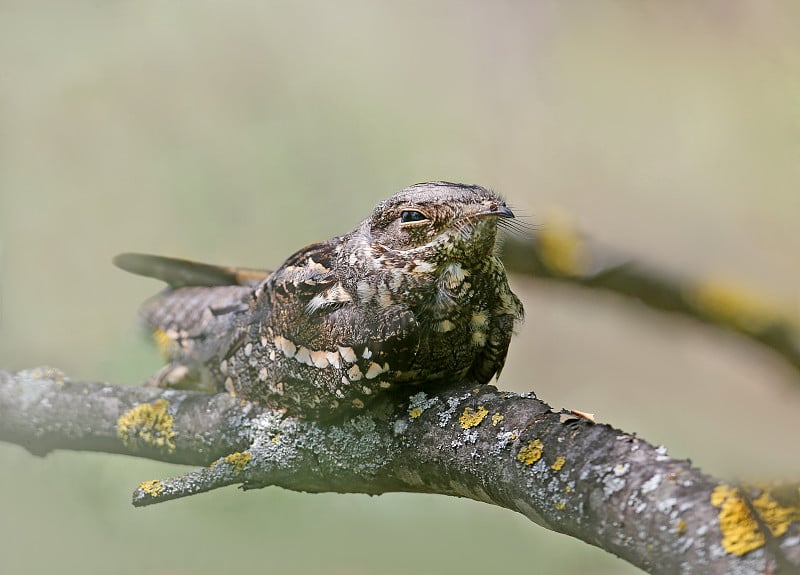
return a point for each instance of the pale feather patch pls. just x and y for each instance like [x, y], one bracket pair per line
[336, 294]
[374, 371]
[334, 359]
[286, 346]
[229, 386]
[480, 319]
[303, 355]
[316, 267]
[454, 275]
[422, 267]
[319, 359]
[479, 338]
[385, 299]
[354, 373]
[348, 354]
[444, 326]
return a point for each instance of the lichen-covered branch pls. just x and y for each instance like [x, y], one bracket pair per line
[560, 253]
[561, 470]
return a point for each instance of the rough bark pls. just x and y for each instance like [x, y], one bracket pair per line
[559, 469]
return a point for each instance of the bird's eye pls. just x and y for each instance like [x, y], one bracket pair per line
[409, 216]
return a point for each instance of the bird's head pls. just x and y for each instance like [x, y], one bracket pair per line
[436, 223]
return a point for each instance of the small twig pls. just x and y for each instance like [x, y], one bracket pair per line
[561, 254]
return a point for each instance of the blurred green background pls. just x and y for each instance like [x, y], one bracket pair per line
[238, 132]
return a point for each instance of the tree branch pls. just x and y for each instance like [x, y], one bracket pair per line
[562, 254]
[561, 470]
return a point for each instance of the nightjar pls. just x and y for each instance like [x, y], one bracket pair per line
[414, 298]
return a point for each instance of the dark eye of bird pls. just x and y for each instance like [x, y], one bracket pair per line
[408, 216]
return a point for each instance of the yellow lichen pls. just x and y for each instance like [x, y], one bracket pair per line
[740, 530]
[148, 424]
[776, 516]
[680, 527]
[164, 343]
[415, 412]
[531, 453]
[561, 247]
[152, 488]
[568, 489]
[497, 418]
[560, 505]
[472, 418]
[558, 463]
[726, 302]
[238, 460]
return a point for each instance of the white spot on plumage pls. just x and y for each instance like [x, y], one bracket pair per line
[319, 359]
[454, 275]
[444, 326]
[316, 267]
[334, 295]
[374, 371]
[480, 319]
[347, 353]
[334, 359]
[287, 347]
[354, 373]
[479, 338]
[303, 355]
[422, 267]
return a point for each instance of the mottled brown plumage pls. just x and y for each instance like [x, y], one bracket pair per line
[414, 297]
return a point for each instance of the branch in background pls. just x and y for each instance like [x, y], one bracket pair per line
[560, 253]
[561, 470]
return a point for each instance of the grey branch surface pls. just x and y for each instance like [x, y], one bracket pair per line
[559, 469]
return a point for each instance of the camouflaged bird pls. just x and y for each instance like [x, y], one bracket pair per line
[414, 297]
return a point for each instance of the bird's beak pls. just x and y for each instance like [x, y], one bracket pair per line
[502, 211]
